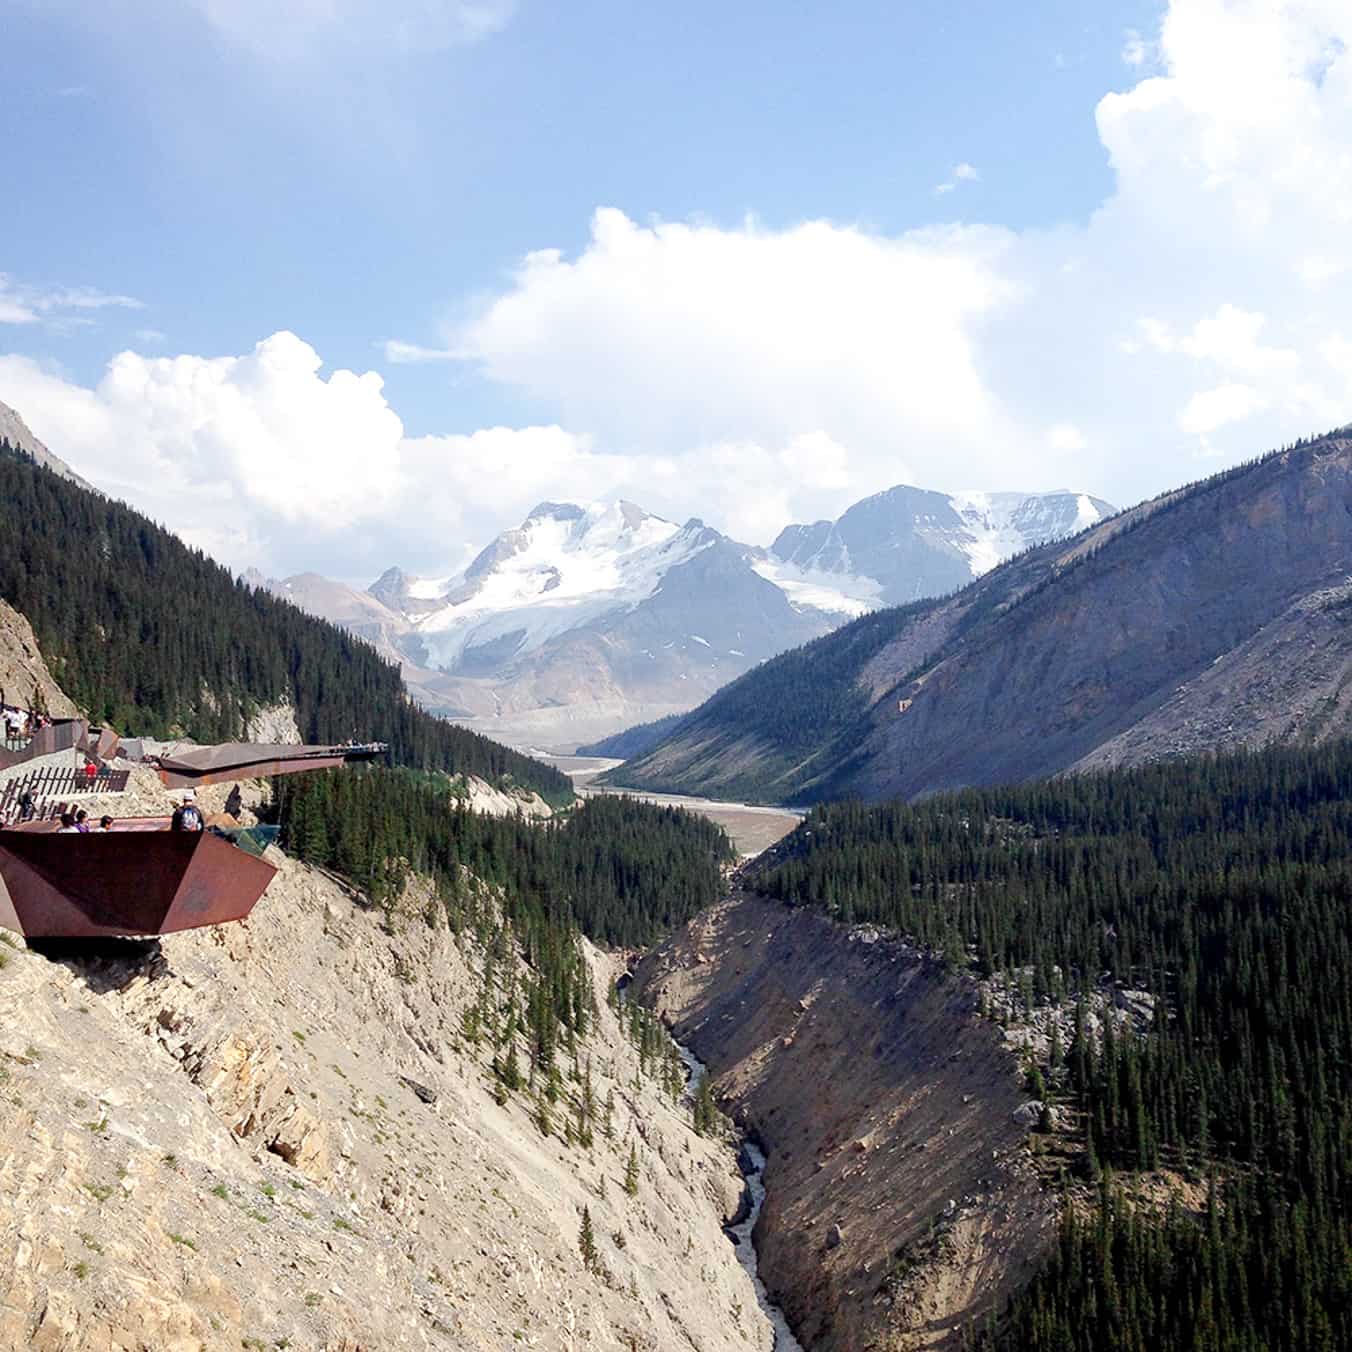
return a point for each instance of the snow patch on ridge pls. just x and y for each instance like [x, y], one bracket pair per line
[1000, 525]
[836, 593]
[561, 573]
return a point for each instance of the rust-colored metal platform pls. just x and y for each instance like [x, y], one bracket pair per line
[141, 879]
[191, 767]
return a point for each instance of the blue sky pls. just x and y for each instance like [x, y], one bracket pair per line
[351, 204]
[803, 252]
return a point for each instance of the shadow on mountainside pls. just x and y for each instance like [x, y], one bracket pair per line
[105, 965]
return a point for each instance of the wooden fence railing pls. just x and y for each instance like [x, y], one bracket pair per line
[57, 783]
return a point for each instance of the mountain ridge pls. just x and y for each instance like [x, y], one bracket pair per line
[20, 437]
[76, 564]
[913, 543]
[1035, 666]
[587, 619]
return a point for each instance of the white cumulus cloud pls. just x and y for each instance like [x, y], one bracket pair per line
[755, 375]
[667, 336]
[243, 449]
[1222, 262]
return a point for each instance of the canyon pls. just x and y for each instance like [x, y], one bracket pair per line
[901, 1201]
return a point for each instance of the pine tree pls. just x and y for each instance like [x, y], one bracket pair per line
[705, 1109]
[586, 1242]
[631, 1171]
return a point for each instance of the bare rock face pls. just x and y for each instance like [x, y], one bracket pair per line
[220, 1143]
[1085, 651]
[483, 797]
[274, 724]
[246, 1083]
[900, 1204]
[22, 668]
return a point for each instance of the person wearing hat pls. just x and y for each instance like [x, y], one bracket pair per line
[187, 816]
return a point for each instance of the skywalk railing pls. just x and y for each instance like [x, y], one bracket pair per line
[43, 786]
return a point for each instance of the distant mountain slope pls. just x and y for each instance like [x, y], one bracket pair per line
[1153, 633]
[908, 543]
[17, 434]
[587, 619]
[632, 741]
[146, 633]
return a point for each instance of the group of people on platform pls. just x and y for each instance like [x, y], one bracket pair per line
[187, 817]
[78, 822]
[16, 723]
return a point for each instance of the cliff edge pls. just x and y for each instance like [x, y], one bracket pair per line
[277, 1134]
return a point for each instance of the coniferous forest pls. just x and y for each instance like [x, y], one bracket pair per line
[1223, 886]
[621, 871]
[153, 637]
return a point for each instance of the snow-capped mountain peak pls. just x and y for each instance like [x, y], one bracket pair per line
[907, 543]
[566, 565]
[1004, 524]
[587, 617]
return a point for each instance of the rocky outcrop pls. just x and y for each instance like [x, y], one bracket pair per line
[900, 1203]
[493, 802]
[275, 1134]
[274, 724]
[22, 668]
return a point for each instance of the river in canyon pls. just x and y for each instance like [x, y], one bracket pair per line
[752, 829]
[752, 1161]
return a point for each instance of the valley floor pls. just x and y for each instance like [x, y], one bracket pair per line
[753, 829]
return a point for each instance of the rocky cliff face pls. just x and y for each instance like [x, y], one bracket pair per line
[274, 724]
[274, 1134]
[22, 669]
[900, 1200]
